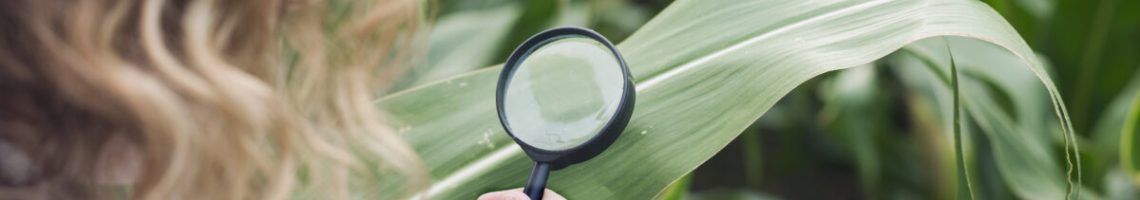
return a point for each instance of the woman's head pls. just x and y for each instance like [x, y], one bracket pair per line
[199, 99]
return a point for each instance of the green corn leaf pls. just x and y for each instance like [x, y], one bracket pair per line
[1103, 155]
[461, 42]
[678, 190]
[958, 155]
[732, 194]
[1129, 153]
[1021, 143]
[704, 70]
[854, 111]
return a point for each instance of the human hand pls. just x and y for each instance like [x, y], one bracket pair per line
[517, 194]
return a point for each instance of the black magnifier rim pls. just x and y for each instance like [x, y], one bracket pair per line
[608, 134]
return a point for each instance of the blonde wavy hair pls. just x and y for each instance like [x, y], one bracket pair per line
[219, 99]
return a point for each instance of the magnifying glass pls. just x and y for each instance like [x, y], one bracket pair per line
[564, 95]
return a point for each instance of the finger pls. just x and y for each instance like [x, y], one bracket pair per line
[551, 195]
[517, 194]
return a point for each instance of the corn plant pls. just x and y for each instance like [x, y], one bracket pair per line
[705, 71]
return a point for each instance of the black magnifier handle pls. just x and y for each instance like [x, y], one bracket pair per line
[537, 183]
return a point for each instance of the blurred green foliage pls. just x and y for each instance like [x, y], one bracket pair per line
[867, 132]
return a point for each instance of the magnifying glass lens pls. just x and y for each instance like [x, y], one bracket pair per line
[563, 93]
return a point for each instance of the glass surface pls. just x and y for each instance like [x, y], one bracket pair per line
[563, 93]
